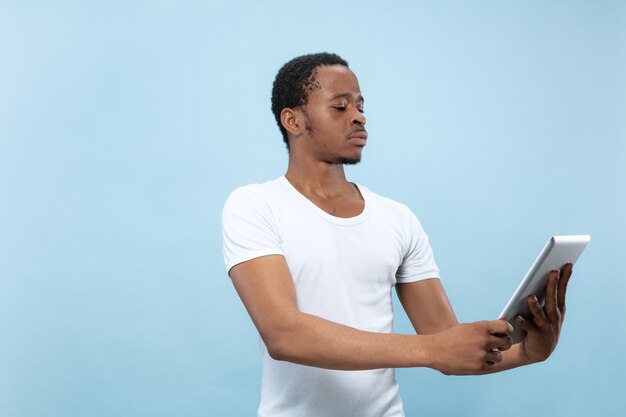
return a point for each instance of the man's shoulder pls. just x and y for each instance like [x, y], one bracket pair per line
[256, 190]
[386, 203]
[256, 197]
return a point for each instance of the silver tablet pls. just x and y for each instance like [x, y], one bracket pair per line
[559, 251]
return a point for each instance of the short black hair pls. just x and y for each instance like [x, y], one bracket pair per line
[295, 80]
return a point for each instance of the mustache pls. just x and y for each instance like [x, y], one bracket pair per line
[357, 132]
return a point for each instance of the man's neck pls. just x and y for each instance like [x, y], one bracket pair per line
[318, 178]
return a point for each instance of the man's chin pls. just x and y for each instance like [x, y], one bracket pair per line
[349, 161]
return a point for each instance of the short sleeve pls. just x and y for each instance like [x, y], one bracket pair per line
[418, 262]
[248, 227]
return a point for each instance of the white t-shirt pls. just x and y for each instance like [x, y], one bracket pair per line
[343, 270]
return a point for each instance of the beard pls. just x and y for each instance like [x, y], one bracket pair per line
[348, 161]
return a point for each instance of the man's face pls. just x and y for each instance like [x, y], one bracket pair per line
[333, 117]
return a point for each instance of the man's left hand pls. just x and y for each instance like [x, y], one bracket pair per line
[544, 329]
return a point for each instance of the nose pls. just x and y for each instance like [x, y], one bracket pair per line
[358, 118]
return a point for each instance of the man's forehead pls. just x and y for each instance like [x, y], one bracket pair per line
[336, 81]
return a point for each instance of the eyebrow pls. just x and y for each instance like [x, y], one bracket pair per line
[348, 95]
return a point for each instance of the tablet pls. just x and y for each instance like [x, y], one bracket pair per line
[559, 251]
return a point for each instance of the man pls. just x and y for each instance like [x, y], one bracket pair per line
[314, 258]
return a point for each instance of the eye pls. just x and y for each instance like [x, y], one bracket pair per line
[339, 108]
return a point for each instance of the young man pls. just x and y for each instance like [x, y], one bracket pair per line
[314, 258]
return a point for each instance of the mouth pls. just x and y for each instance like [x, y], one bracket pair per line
[358, 138]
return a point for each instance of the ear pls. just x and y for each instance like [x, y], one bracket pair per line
[291, 119]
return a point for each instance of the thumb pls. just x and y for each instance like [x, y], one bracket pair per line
[524, 324]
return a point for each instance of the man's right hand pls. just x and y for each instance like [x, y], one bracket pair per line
[471, 348]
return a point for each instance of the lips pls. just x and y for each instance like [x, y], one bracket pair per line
[359, 137]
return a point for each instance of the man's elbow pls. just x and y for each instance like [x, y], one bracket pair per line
[282, 344]
[278, 347]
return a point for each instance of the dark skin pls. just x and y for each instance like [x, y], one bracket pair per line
[330, 128]
[323, 135]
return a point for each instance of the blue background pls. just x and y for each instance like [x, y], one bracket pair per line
[124, 126]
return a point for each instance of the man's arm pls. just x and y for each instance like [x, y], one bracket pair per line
[427, 306]
[429, 310]
[266, 288]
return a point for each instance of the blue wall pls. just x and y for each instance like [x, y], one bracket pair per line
[124, 126]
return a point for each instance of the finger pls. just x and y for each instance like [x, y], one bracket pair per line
[499, 342]
[566, 274]
[539, 318]
[492, 357]
[526, 325]
[499, 327]
[505, 343]
[550, 306]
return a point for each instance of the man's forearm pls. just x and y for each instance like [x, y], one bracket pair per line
[310, 340]
[464, 349]
[268, 293]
